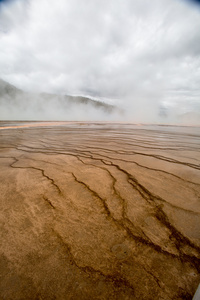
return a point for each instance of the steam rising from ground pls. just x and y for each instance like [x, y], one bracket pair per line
[141, 55]
[38, 108]
[16, 104]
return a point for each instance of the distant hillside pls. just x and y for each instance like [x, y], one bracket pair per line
[7, 90]
[17, 104]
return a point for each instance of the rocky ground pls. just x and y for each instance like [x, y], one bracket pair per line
[99, 211]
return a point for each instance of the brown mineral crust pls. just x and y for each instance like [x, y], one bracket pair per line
[99, 211]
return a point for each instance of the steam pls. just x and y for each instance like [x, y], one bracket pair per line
[141, 56]
[55, 112]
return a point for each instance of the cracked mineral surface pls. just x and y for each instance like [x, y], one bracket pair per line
[99, 211]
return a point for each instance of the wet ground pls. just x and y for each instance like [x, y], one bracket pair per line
[99, 211]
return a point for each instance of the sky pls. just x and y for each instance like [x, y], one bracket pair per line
[141, 55]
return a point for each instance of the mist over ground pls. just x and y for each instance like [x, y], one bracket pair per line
[140, 56]
[16, 104]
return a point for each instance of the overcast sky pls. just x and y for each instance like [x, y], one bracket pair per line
[130, 51]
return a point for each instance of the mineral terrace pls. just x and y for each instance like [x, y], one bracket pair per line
[99, 211]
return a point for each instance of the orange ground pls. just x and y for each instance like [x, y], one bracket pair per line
[99, 211]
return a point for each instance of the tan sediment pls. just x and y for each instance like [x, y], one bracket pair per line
[99, 211]
[35, 124]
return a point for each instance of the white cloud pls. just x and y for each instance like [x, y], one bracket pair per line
[139, 51]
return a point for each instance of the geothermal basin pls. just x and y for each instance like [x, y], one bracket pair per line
[99, 211]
